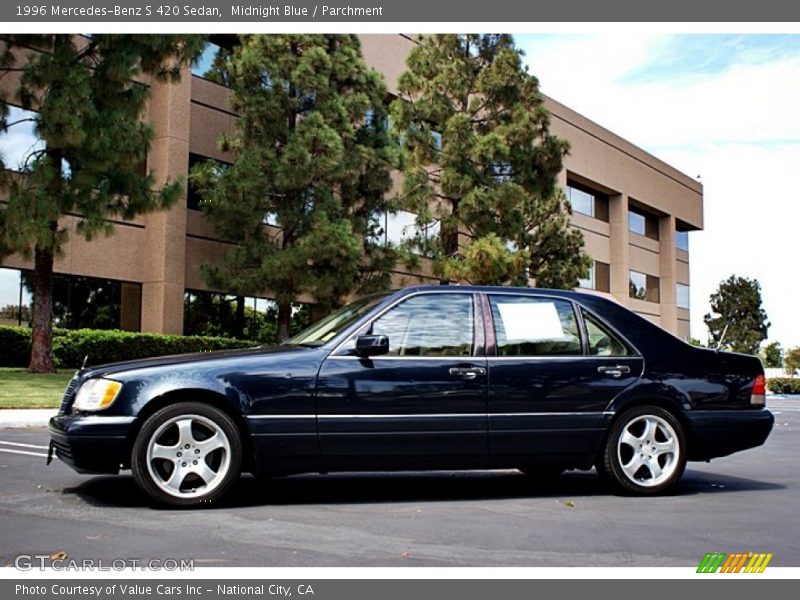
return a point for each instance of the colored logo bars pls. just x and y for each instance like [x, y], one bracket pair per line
[744, 562]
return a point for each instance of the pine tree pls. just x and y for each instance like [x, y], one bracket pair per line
[313, 157]
[89, 101]
[737, 302]
[480, 161]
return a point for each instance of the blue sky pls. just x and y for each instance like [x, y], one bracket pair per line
[724, 107]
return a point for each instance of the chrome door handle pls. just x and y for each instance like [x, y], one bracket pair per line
[614, 371]
[467, 372]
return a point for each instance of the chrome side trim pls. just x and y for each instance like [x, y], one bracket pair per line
[491, 358]
[469, 358]
[280, 416]
[101, 420]
[437, 415]
[560, 358]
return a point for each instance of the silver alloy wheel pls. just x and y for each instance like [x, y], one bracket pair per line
[648, 450]
[182, 465]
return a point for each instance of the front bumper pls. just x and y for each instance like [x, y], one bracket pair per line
[91, 443]
[718, 433]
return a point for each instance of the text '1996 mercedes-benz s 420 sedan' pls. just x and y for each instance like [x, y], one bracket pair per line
[435, 377]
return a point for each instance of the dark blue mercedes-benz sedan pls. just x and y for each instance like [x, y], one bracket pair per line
[435, 377]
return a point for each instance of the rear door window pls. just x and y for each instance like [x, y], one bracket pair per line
[534, 326]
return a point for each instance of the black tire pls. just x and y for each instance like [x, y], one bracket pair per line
[637, 475]
[200, 466]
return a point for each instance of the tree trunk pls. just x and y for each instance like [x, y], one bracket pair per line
[284, 320]
[449, 235]
[42, 321]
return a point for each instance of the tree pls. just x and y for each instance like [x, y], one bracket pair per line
[481, 163]
[737, 302]
[773, 355]
[89, 105]
[791, 361]
[313, 157]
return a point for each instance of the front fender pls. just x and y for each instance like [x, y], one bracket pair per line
[137, 394]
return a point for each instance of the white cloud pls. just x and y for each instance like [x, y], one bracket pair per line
[736, 127]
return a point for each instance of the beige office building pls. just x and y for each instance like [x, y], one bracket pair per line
[634, 210]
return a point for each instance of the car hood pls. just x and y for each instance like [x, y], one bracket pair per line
[177, 359]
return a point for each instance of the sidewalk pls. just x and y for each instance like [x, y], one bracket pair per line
[26, 417]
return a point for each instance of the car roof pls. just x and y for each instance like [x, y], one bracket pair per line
[499, 288]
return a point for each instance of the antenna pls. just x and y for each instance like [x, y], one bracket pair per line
[722, 337]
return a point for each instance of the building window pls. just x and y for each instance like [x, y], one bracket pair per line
[598, 279]
[401, 227]
[643, 287]
[502, 172]
[194, 197]
[87, 302]
[78, 302]
[643, 224]
[243, 317]
[16, 299]
[602, 276]
[589, 282]
[580, 201]
[587, 202]
[437, 140]
[683, 296]
[682, 240]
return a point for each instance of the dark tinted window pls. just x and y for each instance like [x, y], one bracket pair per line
[601, 341]
[429, 325]
[529, 326]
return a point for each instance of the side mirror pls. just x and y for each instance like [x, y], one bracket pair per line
[372, 345]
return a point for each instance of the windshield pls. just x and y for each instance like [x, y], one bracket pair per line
[329, 327]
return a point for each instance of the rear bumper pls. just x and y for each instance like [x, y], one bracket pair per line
[718, 433]
[91, 443]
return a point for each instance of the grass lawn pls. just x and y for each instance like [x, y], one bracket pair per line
[21, 389]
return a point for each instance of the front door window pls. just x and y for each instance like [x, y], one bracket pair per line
[429, 325]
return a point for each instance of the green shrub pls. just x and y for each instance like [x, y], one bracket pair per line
[784, 385]
[15, 346]
[70, 346]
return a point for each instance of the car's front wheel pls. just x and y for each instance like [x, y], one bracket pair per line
[187, 453]
[645, 452]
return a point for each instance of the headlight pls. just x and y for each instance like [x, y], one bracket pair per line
[97, 394]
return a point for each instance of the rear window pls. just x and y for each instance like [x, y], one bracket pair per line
[602, 342]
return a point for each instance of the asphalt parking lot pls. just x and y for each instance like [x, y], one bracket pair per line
[745, 502]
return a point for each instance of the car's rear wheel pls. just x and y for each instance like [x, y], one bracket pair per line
[187, 453]
[646, 451]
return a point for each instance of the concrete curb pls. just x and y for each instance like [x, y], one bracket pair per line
[26, 417]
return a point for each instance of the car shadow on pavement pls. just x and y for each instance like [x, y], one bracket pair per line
[440, 486]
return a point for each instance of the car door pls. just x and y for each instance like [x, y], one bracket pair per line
[425, 397]
[550, 381]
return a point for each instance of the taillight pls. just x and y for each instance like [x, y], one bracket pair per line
[758, 395]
